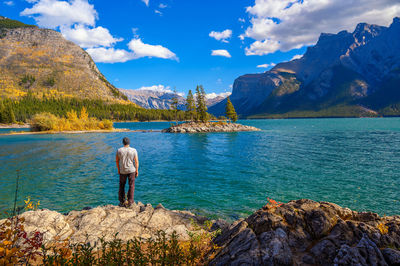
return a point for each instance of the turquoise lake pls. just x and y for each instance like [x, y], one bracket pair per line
[352, 162]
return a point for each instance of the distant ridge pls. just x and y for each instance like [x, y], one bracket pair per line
[345, 74]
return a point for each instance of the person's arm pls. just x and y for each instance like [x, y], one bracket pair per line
[137, 165]
[117, 161]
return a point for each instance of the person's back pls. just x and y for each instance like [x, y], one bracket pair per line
[126, 157]
[128, 168]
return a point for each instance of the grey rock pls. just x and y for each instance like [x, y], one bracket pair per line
[391, 256]
[193, 127]
[88, 226]
[308, 232]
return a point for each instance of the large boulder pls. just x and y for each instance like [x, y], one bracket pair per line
[305, 232]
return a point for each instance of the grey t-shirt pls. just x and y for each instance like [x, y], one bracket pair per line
[126, 157]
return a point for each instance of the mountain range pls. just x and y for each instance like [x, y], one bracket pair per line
[344, 74]
[162, 99]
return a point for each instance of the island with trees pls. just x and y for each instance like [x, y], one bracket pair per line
[199, 119]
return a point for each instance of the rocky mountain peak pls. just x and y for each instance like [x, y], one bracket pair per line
[341, 69]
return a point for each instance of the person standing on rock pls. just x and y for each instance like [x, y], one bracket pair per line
[128, 168]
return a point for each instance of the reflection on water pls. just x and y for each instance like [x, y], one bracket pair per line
[352, 162]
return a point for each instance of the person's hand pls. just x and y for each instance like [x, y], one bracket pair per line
[137, 174]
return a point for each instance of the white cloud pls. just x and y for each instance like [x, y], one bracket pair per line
[54, 14]
[76, 20]
[221, 36]
[158, 12]
[89, 37]
[286, 24]
[109, 55]
[141, 49]
[215, 95]
[224, 53]
[9, 3]
[262, 47]
[138, 50]
[242, 20]
[146, 2]
[161, 89]
[266, 65]
[161, 5]
[298, 56]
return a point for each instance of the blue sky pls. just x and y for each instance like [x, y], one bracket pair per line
[183, 43]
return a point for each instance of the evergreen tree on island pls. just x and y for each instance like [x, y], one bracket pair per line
[230, 110]
[201, 104]
[190, 105]
[174, 105]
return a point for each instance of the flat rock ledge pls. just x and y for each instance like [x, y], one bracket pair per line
[88, 226]
[305, 232]
[194, 127]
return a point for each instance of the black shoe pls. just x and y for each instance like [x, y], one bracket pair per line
[121, 204]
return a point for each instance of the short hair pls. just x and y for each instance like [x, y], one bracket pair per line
[126, 141]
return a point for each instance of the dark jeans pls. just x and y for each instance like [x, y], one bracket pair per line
[131, 191]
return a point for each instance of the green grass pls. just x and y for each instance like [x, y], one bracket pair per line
[6, 23]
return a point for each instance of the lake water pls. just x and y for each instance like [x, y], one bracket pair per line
[351, 162]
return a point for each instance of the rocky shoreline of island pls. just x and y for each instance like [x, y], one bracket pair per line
[301, 232]
[205, 127]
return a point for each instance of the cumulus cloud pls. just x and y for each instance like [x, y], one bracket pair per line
[109, 55]
[266, 65]
[287, 24]
[89, 37]
[76, 19]
[262, 47]
[215, 95]
[141, 49]
[160, 88]
[161, 5]
[298, 56]
[224, 53]
[137, 48]
[222, 36]
[158, 12]
[53, 13]
[9, 3]
[146, 2]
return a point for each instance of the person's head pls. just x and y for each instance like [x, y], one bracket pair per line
[126, 141]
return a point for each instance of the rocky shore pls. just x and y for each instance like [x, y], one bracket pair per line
[194, 127]
[305, 232]
[302, 232]
[89, 225]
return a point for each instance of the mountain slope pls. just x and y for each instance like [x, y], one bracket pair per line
[154, 99]
[42, 62]
[344, 74]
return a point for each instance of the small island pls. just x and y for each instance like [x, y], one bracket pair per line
[197, 127]
[198, 111]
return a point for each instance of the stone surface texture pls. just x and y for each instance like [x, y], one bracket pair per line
[194, 127]
[89, 225]
[305, 232]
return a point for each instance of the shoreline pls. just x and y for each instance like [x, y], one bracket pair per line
[299, 232]
[75, 132]
[6, 126]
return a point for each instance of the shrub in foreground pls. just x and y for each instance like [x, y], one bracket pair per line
[50, 122]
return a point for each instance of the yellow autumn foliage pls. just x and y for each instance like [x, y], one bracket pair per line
[50, 122]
